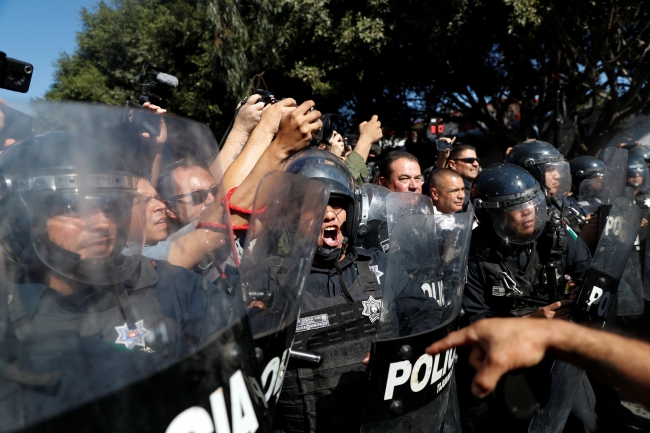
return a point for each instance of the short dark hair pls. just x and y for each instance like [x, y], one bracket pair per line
[439, 174]
[386, 165]
[459, 148]
[166, 185]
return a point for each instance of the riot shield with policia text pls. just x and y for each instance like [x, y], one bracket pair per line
[94, 336]
[597, 291]
[280, 244]
[409, 390]
[613, 182]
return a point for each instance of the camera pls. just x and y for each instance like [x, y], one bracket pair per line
[325, 133]
[15, 75]
[156, 88]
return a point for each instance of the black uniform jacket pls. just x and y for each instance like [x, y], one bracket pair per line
[478, 299]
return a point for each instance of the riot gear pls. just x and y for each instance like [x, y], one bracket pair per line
[323, 165]
[642, 152]
[637, 172]
[373, 231]
[92, 339]
[512, 201]
[585, 167]
[545, 163]
[67, 175]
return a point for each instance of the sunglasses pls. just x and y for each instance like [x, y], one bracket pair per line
[467, 160]
[198, 197]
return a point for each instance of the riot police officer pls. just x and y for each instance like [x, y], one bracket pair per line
[340, 308]
[583, 168]
[516, 264]
[69, 205]
[637, 178]
[547, 165]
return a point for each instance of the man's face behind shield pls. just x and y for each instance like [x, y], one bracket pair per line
[521, 219]
[86, 225]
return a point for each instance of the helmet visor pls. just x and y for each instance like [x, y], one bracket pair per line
[637, 176]
[522, 223]
[558, 178]
[83, 236]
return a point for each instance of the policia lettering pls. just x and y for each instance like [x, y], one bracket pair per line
[438, 369]
[197, 420]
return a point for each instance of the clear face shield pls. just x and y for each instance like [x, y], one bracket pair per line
[81, 236]
[522, 223]
[558, 178]
[637, 177]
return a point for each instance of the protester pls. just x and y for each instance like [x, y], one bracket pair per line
[447, 191]
[400, 172]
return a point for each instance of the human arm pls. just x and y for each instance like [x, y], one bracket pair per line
[248, 117]
[294, 134]
[260, 138]
[369, 134]
[153, 145]
[502, 345]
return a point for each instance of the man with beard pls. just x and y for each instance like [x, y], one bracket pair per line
[341, 303]
[508, 276]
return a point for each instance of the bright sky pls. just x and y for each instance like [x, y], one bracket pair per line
[37, 31]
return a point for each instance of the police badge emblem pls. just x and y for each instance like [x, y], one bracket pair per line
[131, 337]
[372, 308]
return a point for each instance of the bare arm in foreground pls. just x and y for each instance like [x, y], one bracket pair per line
[502, 345]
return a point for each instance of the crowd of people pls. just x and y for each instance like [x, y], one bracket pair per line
[112, 233]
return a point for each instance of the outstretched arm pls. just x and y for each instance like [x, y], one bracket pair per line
[502, 345]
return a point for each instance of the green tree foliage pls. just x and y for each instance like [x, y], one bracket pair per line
[470, 60]
[116, 39]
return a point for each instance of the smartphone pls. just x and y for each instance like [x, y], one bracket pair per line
[142, 119]
[15, 75]
[442, 145]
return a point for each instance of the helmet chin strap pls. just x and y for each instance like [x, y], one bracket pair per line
[330, 254]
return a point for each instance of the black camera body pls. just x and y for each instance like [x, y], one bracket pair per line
[325, 133]
[15, 75]
[156, 88]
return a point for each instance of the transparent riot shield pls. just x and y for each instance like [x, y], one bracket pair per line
[590, 193]
[598, 289]
[409, 390]
[280, 244]
[373, 230]
[614, 179]
[613, 187]
[97, 337]
[406, 203]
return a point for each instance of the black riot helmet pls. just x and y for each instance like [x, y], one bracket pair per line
[585, 167]
[545, 163]
[642, 151]
[325, 166]
[637, 172]
[509, 198]
[68, 205]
